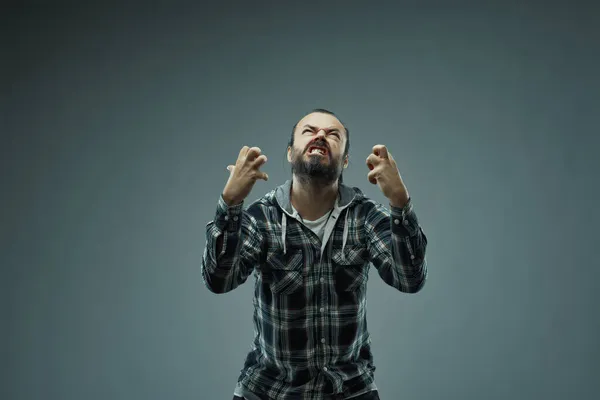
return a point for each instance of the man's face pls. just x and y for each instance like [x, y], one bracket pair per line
[317, 154]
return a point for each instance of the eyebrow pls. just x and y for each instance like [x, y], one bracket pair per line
[326, 129]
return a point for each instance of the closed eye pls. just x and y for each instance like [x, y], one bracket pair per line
[312, 129]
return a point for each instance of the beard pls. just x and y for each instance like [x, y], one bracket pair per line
[311, 169]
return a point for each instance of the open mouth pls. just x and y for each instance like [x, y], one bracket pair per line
[317, 150]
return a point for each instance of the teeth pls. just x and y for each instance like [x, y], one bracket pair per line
[317, 151]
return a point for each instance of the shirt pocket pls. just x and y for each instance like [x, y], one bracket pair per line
[350, 268]
[285, 273]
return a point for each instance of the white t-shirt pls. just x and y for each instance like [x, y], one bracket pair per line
[317, 226]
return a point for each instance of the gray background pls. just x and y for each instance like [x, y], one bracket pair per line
[117, 126]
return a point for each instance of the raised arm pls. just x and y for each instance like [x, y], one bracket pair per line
[234, 240]
[397, 243]
[397, 246]
[234, 244]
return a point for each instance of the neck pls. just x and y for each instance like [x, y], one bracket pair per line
[313, 200]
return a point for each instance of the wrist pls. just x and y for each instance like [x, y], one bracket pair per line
[399, 200]
[229, 200]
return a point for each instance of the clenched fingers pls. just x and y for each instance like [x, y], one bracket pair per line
[253, 153]
[372, 176]
[243, 152]
[256, 164]
[260, 161]
[255, 173]
[261, 175]
[380, 150]
[253, 168]
[373, 161]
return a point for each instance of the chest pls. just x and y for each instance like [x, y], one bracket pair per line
[303, 263]
[338, 241]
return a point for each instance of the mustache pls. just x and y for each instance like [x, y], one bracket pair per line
[319, 143]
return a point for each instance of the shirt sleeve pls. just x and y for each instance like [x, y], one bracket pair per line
[397, 246]
[226, 268]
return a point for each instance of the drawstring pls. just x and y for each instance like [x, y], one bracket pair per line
[345, 237]
[283, 230]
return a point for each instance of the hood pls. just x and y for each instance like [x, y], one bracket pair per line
[346, 197]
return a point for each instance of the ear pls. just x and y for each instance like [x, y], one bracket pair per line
[289, 154]
[346, 162]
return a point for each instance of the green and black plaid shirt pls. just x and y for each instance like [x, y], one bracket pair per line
[310, 318]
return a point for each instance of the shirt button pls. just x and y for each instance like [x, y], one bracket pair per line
[322, 340]
[325, 369]
[405, 222]
[412, 257]
[322, 309]
[235, 218]
[322, 280]
[396, 221]
[226, 217]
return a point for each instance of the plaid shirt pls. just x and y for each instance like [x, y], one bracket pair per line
[310, 321]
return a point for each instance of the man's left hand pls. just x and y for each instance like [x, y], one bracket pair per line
[384, 173]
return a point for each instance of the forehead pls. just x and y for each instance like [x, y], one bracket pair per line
[321, 120]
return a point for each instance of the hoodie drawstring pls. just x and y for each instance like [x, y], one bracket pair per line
[283, 231]
[345, 237]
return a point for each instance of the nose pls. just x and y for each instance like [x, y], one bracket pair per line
[321, 134]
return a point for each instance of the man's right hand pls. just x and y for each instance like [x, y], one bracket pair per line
[243, 175]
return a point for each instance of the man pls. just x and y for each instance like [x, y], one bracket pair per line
[309, 243]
